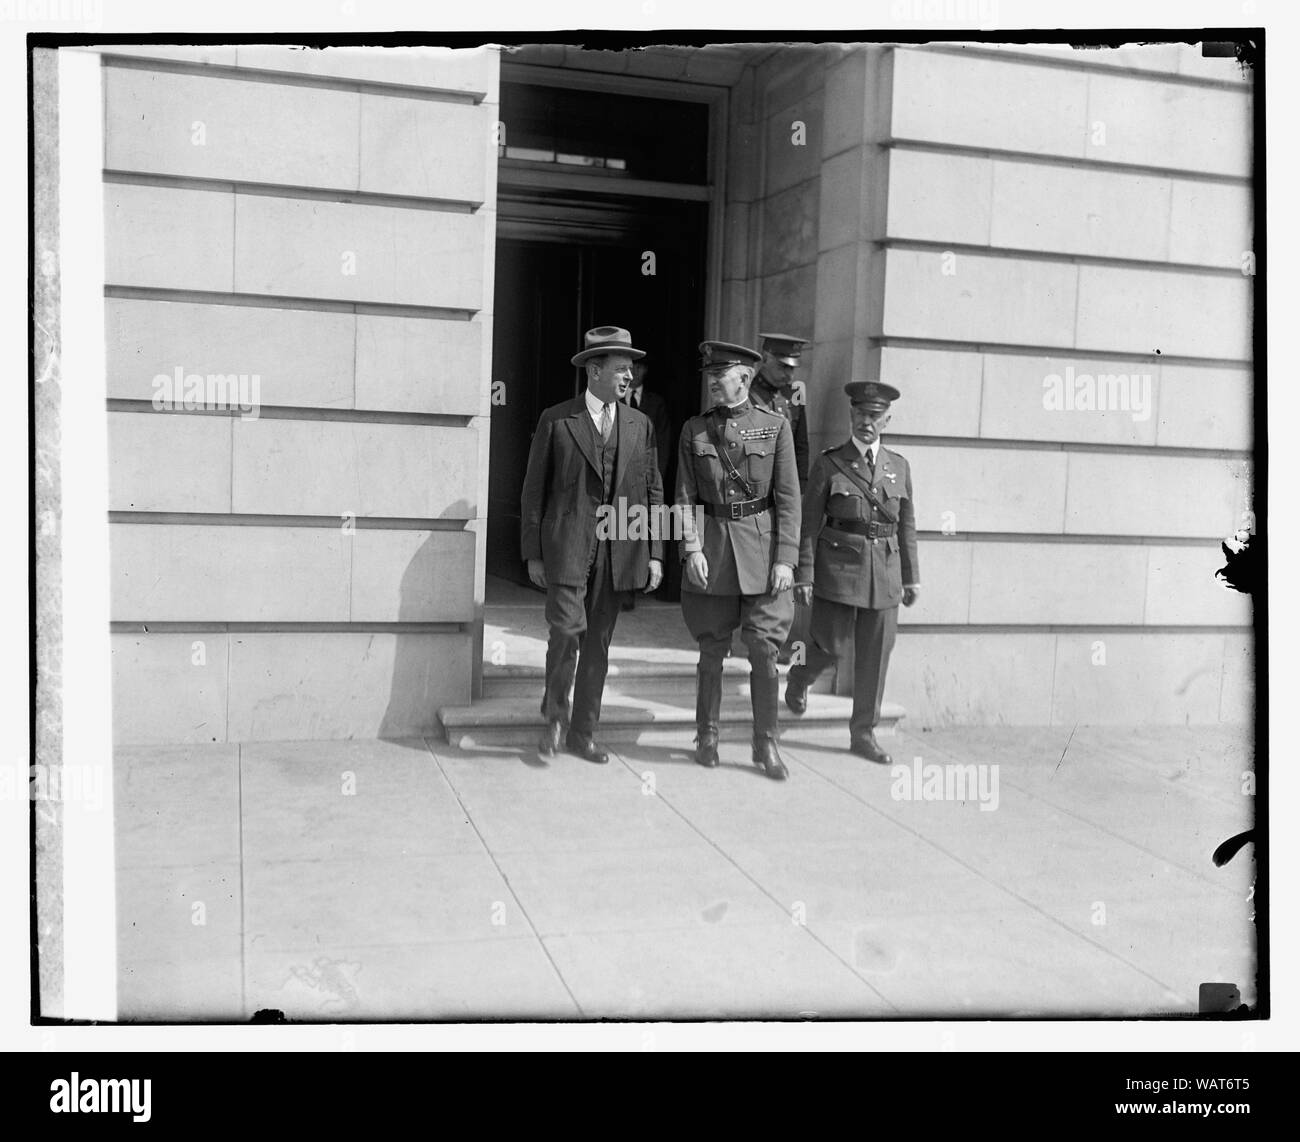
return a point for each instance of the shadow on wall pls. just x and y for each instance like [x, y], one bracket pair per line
[430, 668]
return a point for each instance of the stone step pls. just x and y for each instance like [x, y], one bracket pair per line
[517, 721]
[633, 679]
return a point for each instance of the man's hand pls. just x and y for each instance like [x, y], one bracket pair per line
[803, 594]
[782, 577]
[909, 595]
[697, 570]
[537, 573]
[656, 575]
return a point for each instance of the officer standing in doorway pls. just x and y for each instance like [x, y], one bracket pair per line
[857, 561]
[736, 465]
[774, 387]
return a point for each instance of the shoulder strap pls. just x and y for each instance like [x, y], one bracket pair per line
[715, 430]
[867, 489]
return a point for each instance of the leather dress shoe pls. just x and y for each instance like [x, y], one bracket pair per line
[580, 745]
[768, 759]
[796, 697]
[869, 748]
[706, 749]
[549, 743]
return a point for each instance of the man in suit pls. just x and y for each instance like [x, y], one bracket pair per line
[774, 388]
[653, 405]
[857, 561]
[735, 463]
[592, 460]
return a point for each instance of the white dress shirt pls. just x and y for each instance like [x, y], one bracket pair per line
[596, 408]
[873, 448]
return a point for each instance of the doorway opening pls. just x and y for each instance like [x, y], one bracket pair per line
[603, 219]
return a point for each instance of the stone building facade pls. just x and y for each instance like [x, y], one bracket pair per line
[1005, 233]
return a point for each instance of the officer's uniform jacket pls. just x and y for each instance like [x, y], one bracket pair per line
[851, 568]
[563, 494]
[764, 395]
[740, 552]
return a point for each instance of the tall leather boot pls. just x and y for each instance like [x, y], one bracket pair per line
[708, 710]
[764, 692]
[796, 691]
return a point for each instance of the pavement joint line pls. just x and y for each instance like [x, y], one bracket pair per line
[1128, 761]
[1112, 748]
[760, 925]
[1227, 891]
[762, 888]
[428, 745]
[1169, 989]
[1097, 751]
[360, 946]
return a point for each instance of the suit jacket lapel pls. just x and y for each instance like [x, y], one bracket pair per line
[624, 454]
[586, 441]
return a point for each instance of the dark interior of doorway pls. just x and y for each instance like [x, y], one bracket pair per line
[642, 267]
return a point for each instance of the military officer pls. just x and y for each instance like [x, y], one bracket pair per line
[735, 464]
[774, 388]
[857, 560]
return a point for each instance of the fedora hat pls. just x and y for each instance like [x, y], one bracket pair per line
[606, 339]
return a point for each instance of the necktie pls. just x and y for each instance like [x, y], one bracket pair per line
[606, 421]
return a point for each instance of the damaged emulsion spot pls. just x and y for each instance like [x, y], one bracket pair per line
[1240, 570]
[1239, 573]
[1232, 846]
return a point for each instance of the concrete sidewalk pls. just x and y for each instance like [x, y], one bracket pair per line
[366, 880]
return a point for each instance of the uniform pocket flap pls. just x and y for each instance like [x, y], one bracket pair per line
[842, 543]
[703, 448]
[843, 486]
[757, 447]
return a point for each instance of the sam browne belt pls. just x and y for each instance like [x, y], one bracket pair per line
[871, 529]
[738, 509]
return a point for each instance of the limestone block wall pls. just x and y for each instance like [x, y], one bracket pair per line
[324, 220]
[985, 227]
[773, 180]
